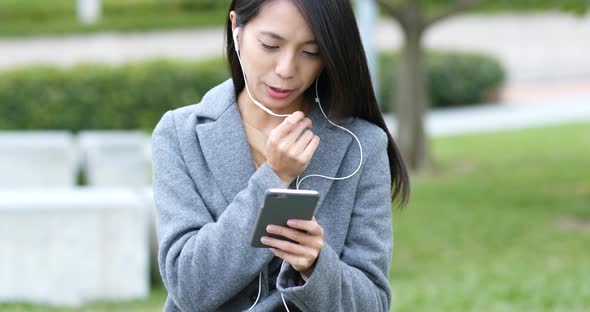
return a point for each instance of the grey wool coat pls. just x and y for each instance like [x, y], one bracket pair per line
[208, 193]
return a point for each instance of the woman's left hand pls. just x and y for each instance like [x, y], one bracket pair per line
[302, 256]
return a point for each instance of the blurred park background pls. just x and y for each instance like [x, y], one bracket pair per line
[489, 101]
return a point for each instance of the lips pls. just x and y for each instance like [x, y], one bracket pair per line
[281, 90]
[278, 93]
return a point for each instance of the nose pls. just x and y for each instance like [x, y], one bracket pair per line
[286, 66]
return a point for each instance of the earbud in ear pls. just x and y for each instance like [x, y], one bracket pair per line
[235, 35]
[317, 97]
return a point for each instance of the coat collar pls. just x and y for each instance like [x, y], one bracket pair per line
[225, 147]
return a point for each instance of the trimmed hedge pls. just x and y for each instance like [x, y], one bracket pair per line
[137, 95]
[102, 97]
[454, 78]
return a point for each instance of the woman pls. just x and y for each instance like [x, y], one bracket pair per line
[214, 161]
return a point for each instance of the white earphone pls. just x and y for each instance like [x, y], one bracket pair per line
[235, 36]
[317, 100]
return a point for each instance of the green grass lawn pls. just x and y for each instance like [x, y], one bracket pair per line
[503, 226]
[154, 303]
[57, 17]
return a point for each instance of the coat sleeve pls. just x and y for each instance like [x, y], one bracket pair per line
[357, 280]
[203, 262]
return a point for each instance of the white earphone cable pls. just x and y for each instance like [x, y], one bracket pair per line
[283, 297]
[259, 291]
[317, 100]
[298, 182]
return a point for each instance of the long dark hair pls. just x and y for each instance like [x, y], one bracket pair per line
[345, 82]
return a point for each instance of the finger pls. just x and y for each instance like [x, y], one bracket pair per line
[310, 149]
[296, 132]
[292, 234]
[315, 242]
[285, 127]
[311, 227]
[302, 142]
[284, 245]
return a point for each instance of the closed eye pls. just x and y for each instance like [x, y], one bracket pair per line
[267, 46]
[274, 48]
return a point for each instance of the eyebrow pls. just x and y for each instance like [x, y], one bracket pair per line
[276, 36]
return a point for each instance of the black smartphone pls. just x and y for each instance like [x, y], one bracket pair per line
[281, 205]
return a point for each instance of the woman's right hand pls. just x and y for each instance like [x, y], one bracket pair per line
[288, 152]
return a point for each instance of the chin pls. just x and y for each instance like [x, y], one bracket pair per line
[275, 104]
[277, 108]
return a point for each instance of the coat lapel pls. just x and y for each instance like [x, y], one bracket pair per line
[223, 141]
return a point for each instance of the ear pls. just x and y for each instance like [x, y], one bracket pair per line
[235, 30]
[233, 20]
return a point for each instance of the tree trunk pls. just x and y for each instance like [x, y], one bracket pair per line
[411, 99]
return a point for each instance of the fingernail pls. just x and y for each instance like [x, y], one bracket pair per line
[270, 228]
[291, 223]
[264, 239]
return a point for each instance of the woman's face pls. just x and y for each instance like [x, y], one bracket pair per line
[279, 56]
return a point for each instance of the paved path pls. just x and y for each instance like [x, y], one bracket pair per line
[494, 117]
[111, 48]
[545, 47]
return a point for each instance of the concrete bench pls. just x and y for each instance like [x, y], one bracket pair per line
[37, 159]
[148, 198]
[115, 158]
[121, 158]
[71, 246]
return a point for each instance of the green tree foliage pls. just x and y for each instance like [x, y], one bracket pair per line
[412, 99]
